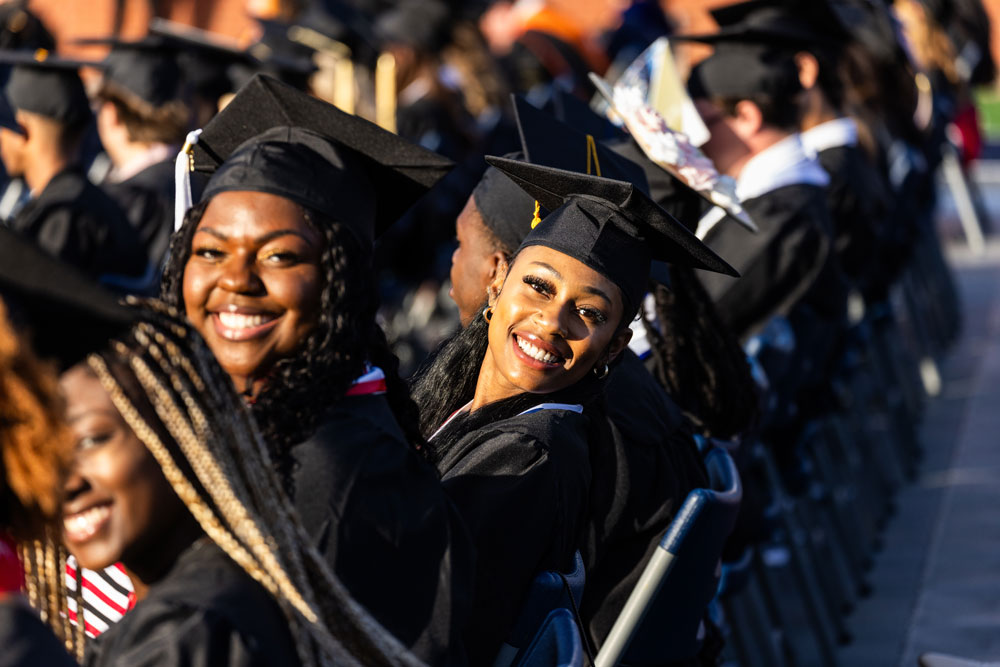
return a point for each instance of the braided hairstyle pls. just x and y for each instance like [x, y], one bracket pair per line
[302, 387]
[210, 451]
[697, 359]
[36, 448]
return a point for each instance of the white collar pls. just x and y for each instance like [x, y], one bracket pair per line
[831, 134]
[153, 155]
[572, 407]
[783, 163]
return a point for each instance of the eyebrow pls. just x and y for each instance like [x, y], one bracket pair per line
[589, 289]
[71, 418]
[260, 240]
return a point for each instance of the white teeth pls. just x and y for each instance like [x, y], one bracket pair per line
[82, 525]
[535, 353]
[238, 321]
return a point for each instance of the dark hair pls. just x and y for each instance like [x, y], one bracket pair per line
[697, 359]
[780, 112]
[301, 388]
[145, 123]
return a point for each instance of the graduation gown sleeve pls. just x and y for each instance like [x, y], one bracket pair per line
[779, 264]
[25, 641]
[521, 487]
[379, 515]
[205, 611]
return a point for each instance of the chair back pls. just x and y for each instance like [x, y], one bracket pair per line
[548, 592]
[557, 644]
[661, 621]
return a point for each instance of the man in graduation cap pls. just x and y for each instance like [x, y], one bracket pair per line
[142, 119]
[40, 133]
[749, 95]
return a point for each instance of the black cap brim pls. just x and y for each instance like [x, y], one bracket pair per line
[67, 315]
[405, 171]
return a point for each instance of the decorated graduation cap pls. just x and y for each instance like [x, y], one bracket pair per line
[66, 315]
[610, 226]
[146, 68]
[273, 138]
[47, 85]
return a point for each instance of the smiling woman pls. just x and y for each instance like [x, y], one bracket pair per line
[274, 269]
[512, 404]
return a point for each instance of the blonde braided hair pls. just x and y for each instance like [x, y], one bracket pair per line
[217, 463]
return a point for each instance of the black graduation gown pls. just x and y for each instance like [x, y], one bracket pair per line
[788, 261]
[147, 199]
[380, 516]
[74, 220]
[859, 207]
[206, 612]
[25, 641]
[640, 481]
[521, 484]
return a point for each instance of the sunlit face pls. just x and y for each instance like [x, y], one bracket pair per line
[725, 148]
[12, 152]
[473, 264]
[118, 505]
[253, 282]
[554, 321]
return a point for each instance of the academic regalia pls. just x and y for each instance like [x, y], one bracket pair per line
[147, 200]
[858, 201]
[379, 515]
[26, 640]
[147, 74]
[75, 221]
[70, 218]
[521, 485]
[640, 481]
[205, 611]
[376, 510]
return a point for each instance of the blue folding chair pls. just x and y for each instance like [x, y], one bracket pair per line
[661, 621]
[557, 644]
[549, 591]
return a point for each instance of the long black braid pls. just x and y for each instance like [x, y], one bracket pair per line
[301, 388]
[697, 359]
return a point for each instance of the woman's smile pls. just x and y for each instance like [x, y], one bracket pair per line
[235, 323]
[81, 526]
[535, 352]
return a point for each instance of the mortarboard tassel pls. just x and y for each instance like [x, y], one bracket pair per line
[183, 166]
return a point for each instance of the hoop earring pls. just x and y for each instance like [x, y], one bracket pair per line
[488, 313]
[601, 373]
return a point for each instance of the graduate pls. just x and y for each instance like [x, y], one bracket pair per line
[169, 476]
[142, 119]
[40, 131]
[513, 402]
[747, 93]
[273, 267]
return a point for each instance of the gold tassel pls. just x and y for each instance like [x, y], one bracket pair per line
[537, 218]
[385, 92]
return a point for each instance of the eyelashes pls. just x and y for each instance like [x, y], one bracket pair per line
[546, 288]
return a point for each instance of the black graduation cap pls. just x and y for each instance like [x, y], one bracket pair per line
[204, 58]
[47, 85]
[743, 69]
[799, 24]
[67, 316]
[573, 111]
[147, 68]
[422, 24]
[273, 138]
[505, 208]
[610, 226]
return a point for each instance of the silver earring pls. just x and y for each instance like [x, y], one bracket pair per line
[601, 372]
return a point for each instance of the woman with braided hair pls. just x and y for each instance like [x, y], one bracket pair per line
[274, 268]
[168, 481]
[156, 464]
